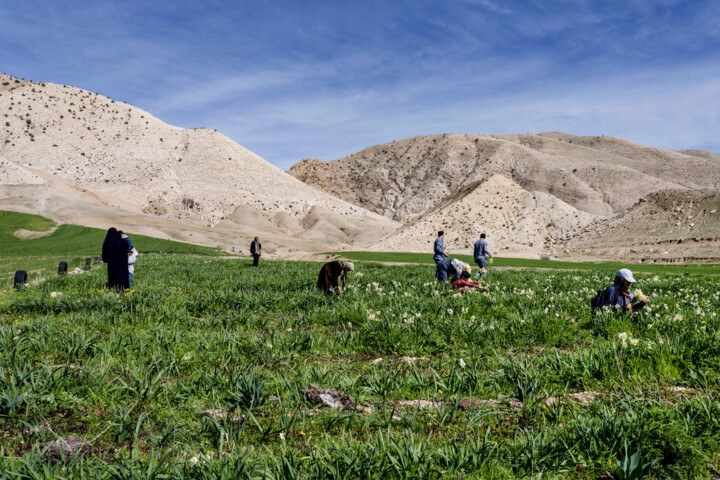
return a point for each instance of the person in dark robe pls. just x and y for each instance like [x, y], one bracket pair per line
[331, 274]
[115, 255]
[255, 251]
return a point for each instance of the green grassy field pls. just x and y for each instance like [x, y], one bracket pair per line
[201, 371]
[426, 258]
[70, 243]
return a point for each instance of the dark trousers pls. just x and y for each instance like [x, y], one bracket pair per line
[256, 259]
[441, 272]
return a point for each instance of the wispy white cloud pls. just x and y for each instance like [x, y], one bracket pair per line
[490, 5]
[290, 80]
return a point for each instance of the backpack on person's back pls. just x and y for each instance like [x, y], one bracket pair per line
[599, 300]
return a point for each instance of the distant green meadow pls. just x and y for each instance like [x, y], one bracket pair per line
[70, 243]
[426, 258]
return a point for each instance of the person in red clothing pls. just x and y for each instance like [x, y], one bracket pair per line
[464, 284]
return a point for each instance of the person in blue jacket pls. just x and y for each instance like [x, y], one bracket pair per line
[481, 253]
[127, 239]
[618, 296]
[439, 248]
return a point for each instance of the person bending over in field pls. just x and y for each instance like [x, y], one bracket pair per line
[450, 266]
[464, 284]
[618, 295]
[331, 274]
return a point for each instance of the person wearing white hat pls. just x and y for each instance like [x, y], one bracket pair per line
[618, 295]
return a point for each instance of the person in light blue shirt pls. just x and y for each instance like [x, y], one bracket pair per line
[439, 248]
[481, 253]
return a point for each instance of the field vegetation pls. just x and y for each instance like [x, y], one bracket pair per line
[40, 255]
[507, 262]
[212, 369]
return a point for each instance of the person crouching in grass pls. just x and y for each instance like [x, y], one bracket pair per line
[464, 284]
[331, 274]
[618, 296]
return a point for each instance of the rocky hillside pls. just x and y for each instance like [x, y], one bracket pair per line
[125, 158]
[517, 222]
[598, 175]
[680, 224]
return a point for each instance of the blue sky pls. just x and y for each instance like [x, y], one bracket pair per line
[324, 79]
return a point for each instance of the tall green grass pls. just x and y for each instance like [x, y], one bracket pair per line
[207, 359]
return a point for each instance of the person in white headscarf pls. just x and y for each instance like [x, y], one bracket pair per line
[450, 267]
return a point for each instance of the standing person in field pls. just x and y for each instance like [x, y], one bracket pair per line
[451, 266]
[439, 252]
[618, 295]
[330, 275]
[464, 284]
[115, 255]
[481, 253]
[132, 258]
[255, 251]
[439, 248]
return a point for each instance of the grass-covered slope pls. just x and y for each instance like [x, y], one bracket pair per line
[200, 372]
[70, 243]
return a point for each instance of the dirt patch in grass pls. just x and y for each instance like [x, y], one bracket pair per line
[30, 234]
[65, 447]
[332, 397]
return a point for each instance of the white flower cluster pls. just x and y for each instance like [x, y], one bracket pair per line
[625, 338]
[639, 295]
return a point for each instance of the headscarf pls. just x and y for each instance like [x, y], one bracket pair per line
[459, 267]
[346, 265]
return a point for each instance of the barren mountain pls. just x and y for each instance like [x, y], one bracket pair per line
[598, 175]
[518, 222]
[680, 224]
[56, 137]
